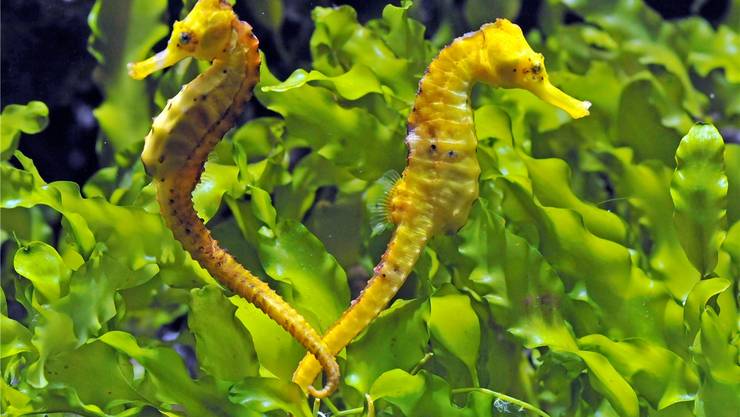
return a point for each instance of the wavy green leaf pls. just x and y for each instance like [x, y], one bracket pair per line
[276, 350]
[339, 41]
[551, 184]
[166, 379]
[628, 300]
[269, 12]
[454, 326]
[42, 265]
[13, 401]
[606, 380]
[569, 289]
[397, 339]
[732, 169]
[695, 304]
[639, 123]
[317, 284]
[124, 31]
[223, 346]
[646, 186]
[96, 376]
[399, 388]
[129, 233]
[350, 136]
[712, 49]
[657, 374]
[262, 207]
[699, 192]
[261, 395]
[216, 180]
[16, 338]
[352, 85]
[53, 333]
[16, 118]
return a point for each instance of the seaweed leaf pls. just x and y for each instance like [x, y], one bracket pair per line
[223, 346]
[397, 339]
[30, 118]
[570, 290]
[124, 31]
[699, 192]
[167, 381]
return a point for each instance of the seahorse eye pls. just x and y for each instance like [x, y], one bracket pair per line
[185, 38]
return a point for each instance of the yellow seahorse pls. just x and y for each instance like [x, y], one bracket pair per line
[440, 182]
[184, 134]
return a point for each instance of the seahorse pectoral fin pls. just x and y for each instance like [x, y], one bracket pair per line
[553, 95]
[167, 58]
[381, 212]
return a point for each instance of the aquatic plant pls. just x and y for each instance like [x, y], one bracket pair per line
[597, 273]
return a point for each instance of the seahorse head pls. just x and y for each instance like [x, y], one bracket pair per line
[205, 33]
[509, 62]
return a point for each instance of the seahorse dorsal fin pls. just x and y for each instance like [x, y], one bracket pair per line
[380, 213]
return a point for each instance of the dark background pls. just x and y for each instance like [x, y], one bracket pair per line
[44, 57]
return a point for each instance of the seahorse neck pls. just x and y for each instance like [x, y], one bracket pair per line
[444, 90]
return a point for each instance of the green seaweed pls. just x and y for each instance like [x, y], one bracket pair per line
[597, 273]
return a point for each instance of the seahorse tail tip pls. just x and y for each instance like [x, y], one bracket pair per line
[331, 370]
[324, 392]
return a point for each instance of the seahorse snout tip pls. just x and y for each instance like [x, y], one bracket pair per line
[132, 72]
[553, 95]
[159, 61]
[139, 70]
[584, 110]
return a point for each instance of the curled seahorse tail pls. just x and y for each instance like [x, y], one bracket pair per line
[188, 228]
[403, 250]
[174, 193]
